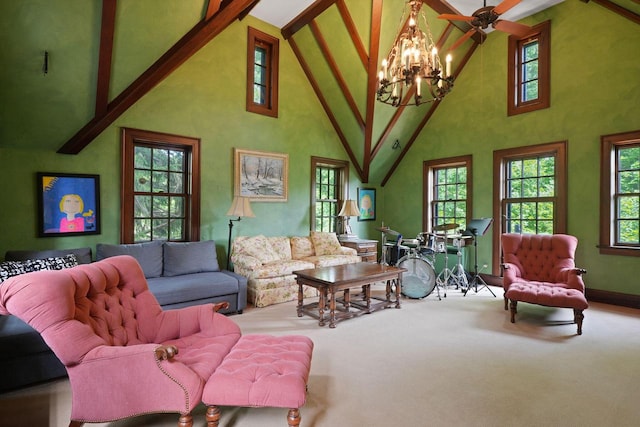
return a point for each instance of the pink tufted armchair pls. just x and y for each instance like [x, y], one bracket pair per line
[540, 259]
[124, 355]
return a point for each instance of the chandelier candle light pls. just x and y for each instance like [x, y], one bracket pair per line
[414, 59]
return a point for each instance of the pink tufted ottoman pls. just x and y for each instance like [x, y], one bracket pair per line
[261, 371]
[550, 296]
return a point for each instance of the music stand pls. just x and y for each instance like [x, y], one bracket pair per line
[477, 227]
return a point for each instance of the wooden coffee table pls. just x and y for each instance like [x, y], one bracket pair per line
[329, 280]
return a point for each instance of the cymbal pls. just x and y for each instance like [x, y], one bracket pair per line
[443, 227]
[387, 230]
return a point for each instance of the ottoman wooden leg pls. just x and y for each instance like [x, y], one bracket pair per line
[514, 310]
[578, 317]
[506, 303]
[185, 421]
[213, 416]
[293, 417]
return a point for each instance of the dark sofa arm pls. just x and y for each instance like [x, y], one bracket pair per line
[242, 289]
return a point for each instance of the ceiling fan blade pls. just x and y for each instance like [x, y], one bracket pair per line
[453, 17]
[462, 39]
[505, 5]
[511, 27]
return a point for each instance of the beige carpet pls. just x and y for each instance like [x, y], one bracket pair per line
[455, 362]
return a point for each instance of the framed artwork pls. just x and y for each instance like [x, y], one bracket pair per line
[261, 176]
[68, 204]
[367, 204]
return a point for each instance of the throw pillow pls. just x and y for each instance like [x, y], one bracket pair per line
[10, 268]
[282, 247]
[325, 243]
[189, 257]
[301, 247]
[148, 255]
[260, 247]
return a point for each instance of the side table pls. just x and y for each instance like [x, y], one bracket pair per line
[367, 249]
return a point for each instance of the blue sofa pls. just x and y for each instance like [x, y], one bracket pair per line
[179, 274]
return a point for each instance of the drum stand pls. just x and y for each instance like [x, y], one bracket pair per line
[458, 274]
[445, 275]
[476, 276]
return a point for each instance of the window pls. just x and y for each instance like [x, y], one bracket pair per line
[262, 73]
[329, 184]
[160, 187]
[620, 194]
[529, 71]
[530, 193]
[447, 184]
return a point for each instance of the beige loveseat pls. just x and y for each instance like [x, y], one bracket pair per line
[268, 263]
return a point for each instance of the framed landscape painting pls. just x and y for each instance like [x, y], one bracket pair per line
[261, 176]
[367, 204]
[68, 204]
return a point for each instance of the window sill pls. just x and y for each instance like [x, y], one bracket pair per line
[619, 250]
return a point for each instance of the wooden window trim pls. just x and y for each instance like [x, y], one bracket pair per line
[541, 32]
[132, 136]
[257, 37]
[343, 165]
[608, 143]
[559, 150]
[427, 177]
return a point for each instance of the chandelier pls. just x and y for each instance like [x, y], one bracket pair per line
[413, 60]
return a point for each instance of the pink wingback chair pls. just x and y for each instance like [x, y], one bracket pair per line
[124, 355]
[540, 259]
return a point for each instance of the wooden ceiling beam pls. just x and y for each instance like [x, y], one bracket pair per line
[372, 82]
[625, 13]
[325, 105]
[307, 15]
[353, 33]
[326, 52]
[201, 34]
[107, 30]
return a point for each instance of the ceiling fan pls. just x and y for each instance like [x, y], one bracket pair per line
[485, 16]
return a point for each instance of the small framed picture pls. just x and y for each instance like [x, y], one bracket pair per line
[367, 204]
[68, 204]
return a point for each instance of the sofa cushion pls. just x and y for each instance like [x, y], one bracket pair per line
[190, 257]
[192, 287]
[148, 255]
[330, 260]
[83, 255]
[301, 247]
[258, 247]
[325, 243]
[279, 268]
[281, 246]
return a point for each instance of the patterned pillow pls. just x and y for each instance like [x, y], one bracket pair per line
[13, 268]
[301, 247]
[259, 247]
[282, 247]
[325, 243]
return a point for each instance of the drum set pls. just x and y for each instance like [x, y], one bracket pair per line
[418, 256]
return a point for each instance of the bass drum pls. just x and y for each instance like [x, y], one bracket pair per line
[420, 278]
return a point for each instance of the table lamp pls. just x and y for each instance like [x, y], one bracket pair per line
[349, 209]
[240, 207]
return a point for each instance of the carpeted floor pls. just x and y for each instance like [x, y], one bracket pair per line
[455, 362]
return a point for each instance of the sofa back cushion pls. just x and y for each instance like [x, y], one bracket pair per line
[281, 246]
[148, 255]
[258, 247]
[83, 255]
[190, 257]
[325, 243]
[301, 247]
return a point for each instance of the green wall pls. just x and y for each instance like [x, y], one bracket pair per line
[204, 98]
[595, 90]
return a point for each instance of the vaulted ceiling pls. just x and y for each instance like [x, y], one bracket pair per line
[339, 44]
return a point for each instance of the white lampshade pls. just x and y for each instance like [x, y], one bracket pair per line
[349, 208]
[241, 207]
